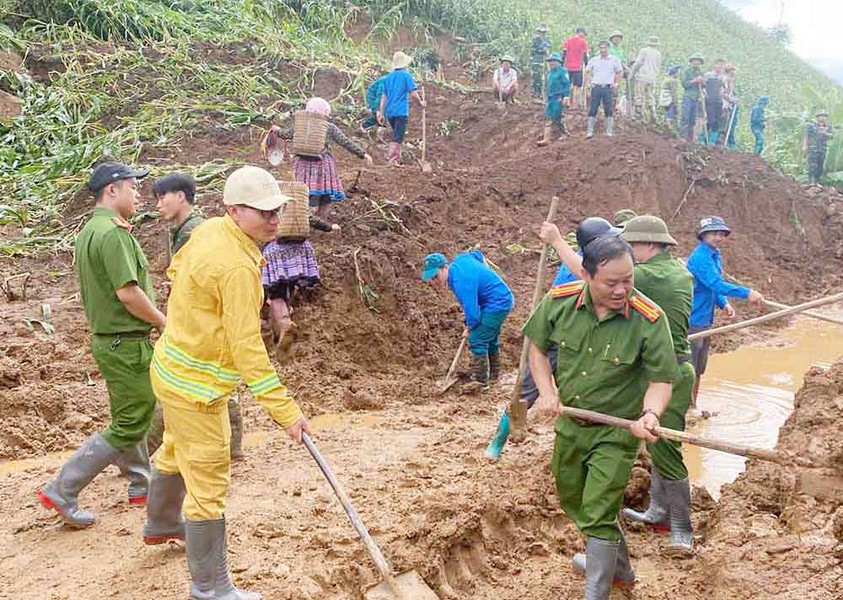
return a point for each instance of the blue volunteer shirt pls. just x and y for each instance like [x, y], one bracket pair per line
[564, 275]
[397, 86]
[710, 289]
[477, 287]
[374, 93]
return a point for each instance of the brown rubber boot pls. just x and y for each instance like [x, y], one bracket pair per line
[494, 366]
[548, 131]
[479, 372]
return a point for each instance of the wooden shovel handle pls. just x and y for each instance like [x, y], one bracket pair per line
[375, 552]
[679, 436]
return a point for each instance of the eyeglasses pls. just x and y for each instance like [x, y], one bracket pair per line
[266, 214]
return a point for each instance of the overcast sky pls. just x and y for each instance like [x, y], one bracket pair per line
[815, 28]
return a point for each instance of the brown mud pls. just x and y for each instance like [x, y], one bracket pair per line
[371, 344]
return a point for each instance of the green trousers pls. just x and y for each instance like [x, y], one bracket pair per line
[591, 465]
[124, 364]
[667, 454]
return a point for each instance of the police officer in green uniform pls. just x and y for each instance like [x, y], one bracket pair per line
[668, 283]
[176, 195]
[615, 357]
[815, 144]
[118, 300]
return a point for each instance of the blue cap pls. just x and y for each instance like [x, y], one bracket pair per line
[554, 56]
[712, 223]
[765, 100]
[431, 265]
[673, 70]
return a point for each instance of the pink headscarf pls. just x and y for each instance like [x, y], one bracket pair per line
[318, 105]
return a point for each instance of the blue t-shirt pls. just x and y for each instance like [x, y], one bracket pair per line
[397, 87]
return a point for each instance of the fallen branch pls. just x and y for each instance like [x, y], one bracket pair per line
[366, 293]
[684, 198]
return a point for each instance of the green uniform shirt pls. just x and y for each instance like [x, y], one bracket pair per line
[181, 233]
[107, 258]
[692, 90]
[669, 284]
[617, 52]
[604, 365]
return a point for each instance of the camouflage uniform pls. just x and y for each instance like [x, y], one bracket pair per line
[538, 55]
[817, 139]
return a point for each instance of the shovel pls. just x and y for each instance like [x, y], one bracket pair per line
[404, 586]
[425, 166]
[449, 377]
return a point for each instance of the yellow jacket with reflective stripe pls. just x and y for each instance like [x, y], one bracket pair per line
[212, 338]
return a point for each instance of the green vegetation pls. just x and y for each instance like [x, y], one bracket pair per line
[134, 79]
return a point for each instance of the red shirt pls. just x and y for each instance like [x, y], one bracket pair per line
[576, 48]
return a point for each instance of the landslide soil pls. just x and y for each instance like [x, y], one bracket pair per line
[370, 347]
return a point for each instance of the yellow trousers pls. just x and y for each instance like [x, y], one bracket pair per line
[196, 445]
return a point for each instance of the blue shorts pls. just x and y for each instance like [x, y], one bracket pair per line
[399, 128]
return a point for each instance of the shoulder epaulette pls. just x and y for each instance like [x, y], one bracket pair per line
[567, 289]
[646, 307]
[122, 223]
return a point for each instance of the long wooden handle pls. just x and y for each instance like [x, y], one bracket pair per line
[679, 436]
[457, 356]
[371, 546]
[772, 316]
[807, 313]
[424, 127]
[517, 407]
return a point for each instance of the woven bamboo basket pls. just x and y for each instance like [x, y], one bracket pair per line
[309, 132]
[295, 218]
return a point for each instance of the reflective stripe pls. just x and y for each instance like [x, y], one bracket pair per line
[194, 389]
[183, 358]
[265, 384]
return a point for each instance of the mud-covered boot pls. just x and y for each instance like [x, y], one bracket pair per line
[133, 462]
[207, 561]
[164, 521]
[590, 122]
[657, 515]
[235, 417]
[601, 557]
[494, 366]
[495, 447]
[155, 433]
[624, 575]
[480, 370]
[678, 494]
[87, 462]
[610, 126]
[548, 131]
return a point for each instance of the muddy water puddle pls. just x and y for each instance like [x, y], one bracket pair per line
[749, 394]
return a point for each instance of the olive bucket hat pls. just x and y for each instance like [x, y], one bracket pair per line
[647, 229]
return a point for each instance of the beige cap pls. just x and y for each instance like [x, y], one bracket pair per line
[254, 187]
[401, 60]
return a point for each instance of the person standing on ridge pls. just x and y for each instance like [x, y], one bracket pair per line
[815, 144]
[731, 106]
[118, 299]
[711, 290]
[175, 195]
[575, 57]
[616, 49]
[538, 55]
[486, 301]
[558, 92]
[398, 87]
[644, 73]
[669, 98]
[692, 79]
[714, 85]
[758, 122]
[603, 74]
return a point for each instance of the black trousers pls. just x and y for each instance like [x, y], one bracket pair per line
[602, 94]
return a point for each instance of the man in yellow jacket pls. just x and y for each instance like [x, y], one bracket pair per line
[211, 341]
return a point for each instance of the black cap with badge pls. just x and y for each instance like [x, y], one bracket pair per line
[109, 172]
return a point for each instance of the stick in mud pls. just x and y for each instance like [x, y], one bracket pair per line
[517, 407]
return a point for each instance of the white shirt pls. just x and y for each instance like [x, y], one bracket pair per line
[603, 70]
[505, 80]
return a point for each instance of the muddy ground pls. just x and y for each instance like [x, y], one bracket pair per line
[368, 363]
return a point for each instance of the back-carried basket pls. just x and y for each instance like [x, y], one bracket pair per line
[295, 218]
[310, 130]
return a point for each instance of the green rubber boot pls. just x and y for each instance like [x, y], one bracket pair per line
[495, 447]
